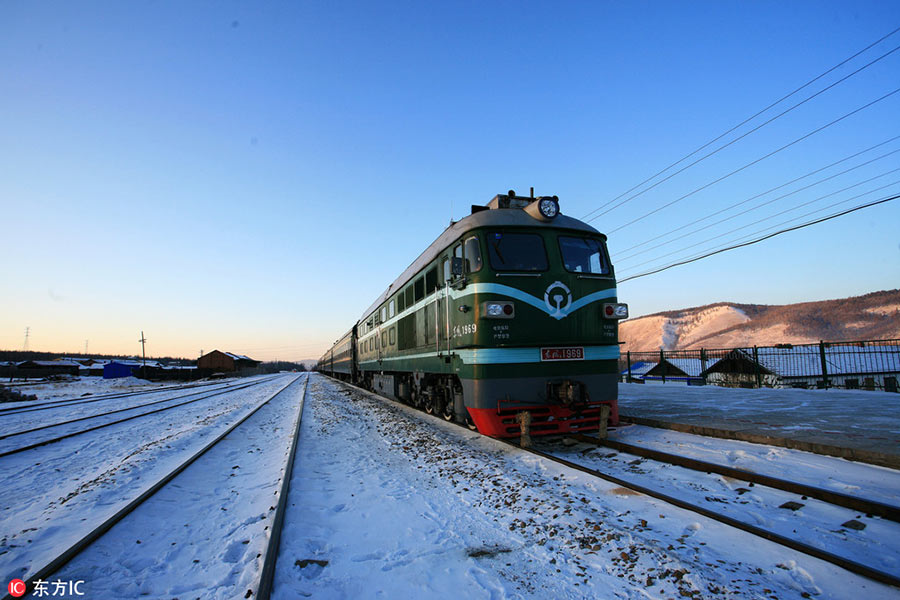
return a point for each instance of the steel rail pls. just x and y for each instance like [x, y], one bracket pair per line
[150, 412]
[103, 414]
[844, 563]
[72, 551]
[267, 574]
[64, 402]
[870, 507]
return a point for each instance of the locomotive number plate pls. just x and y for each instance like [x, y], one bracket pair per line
[573, 353]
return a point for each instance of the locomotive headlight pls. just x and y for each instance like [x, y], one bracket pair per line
[498, 310]
[549, 207]
[615, 311]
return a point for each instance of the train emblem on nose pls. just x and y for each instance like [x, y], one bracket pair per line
[556, 308]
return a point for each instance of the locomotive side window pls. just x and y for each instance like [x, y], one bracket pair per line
[517, 252]
[584, 255]
[401, 302]
[431, 280]
[383, 314]
[409, 297]
[420, 288]
[473, 255]
[446, 269]
[391, 309]
[393, 336]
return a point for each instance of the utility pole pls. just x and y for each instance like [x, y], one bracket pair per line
[143, 341]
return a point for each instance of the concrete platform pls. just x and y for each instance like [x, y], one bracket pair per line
[854, 424]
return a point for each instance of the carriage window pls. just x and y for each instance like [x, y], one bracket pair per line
[473, 255]
[517, 252]
[584, 255]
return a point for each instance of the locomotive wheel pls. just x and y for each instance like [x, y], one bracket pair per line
[470, 423]
[447, 413]
[429, 405]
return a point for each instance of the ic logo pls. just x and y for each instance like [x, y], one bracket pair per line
[557, 310]
[16, 588]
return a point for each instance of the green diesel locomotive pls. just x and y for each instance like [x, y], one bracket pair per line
[509, 320]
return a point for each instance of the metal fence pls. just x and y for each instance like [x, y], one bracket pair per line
[869, 365]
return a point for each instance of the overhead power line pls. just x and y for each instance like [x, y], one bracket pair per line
[758, 206]
[761, 194]
[742, 123]
[758, 160]
[820, 198]
[760, 239]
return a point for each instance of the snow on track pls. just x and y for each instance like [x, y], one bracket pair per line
[388, 502]
[837, 474]
[51, 496]
[204, 533]
[814, 522]
[23, 436]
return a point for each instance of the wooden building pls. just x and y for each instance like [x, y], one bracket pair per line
[225, 362]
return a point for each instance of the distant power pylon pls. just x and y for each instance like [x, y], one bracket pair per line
[25, 345]
[86, 346]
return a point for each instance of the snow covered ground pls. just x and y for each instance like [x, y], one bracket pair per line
[83, 386]
[388, 502]
[52, 495]
[204, 534]
[846, 418]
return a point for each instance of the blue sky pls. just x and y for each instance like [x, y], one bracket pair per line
[250, 176]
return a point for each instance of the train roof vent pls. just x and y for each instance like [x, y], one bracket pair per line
[509, 200]
[543, 208]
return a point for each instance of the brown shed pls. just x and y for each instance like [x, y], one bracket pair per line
[225, 362]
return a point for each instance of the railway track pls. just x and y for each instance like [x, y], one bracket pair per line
[843, 501]
[704, 509]
[869, 507]
[241, 428]
[203, 395]
[66, 402]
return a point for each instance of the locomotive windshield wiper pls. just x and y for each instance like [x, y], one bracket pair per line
[496, 246]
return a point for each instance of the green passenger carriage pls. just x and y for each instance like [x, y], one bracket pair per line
[508, 320]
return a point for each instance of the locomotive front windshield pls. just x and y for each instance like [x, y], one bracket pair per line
[584, 255]
[517, 252]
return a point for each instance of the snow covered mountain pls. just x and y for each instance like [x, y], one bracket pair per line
[726, 324]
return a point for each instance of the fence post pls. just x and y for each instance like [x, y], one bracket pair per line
[756, 366]
[628, 355]
[824, 364]
[662, 362]
[703, 360]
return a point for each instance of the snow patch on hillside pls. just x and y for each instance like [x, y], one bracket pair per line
[887, 309]
[667, 333]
